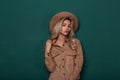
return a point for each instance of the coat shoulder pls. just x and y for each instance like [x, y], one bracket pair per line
[76, 40]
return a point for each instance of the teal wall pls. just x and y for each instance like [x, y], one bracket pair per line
[24, 29]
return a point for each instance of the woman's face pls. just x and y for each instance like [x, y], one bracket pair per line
[66, 27]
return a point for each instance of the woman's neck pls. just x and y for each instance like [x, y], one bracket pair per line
[61, 38]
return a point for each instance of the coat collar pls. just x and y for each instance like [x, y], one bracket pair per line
[54, 42]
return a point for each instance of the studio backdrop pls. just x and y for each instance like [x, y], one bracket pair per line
[24, 29]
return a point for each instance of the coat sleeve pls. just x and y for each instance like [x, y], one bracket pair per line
[49, 62]
[78, 62]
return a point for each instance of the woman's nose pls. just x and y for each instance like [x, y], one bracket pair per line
[67, 28]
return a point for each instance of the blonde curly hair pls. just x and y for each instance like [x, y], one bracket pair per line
[71, 35]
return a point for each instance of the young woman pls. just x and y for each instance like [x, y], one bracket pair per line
[63, 52]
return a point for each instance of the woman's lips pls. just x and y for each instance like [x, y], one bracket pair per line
[67, 31]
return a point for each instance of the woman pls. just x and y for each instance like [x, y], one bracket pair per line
[63, 52]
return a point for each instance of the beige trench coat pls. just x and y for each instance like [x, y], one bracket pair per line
[63, 62]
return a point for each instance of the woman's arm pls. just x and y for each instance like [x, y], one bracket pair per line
[48, 59]
[78, 61]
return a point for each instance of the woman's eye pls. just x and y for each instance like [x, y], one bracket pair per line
[63, 25]
[69, 26]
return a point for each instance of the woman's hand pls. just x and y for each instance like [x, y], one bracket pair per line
[48, 45]
[48, 59]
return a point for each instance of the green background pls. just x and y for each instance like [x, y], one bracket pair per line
[24, 29]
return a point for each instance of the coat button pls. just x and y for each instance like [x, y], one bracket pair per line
[65, 41]
[74, 64]
[56, 65]
[63, 73]
[62, 51]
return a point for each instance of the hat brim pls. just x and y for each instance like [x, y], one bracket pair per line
[61, 15]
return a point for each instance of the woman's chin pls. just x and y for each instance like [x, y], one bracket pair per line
[65, 34]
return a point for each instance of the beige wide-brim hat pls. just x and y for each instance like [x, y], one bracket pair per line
[57, 17]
